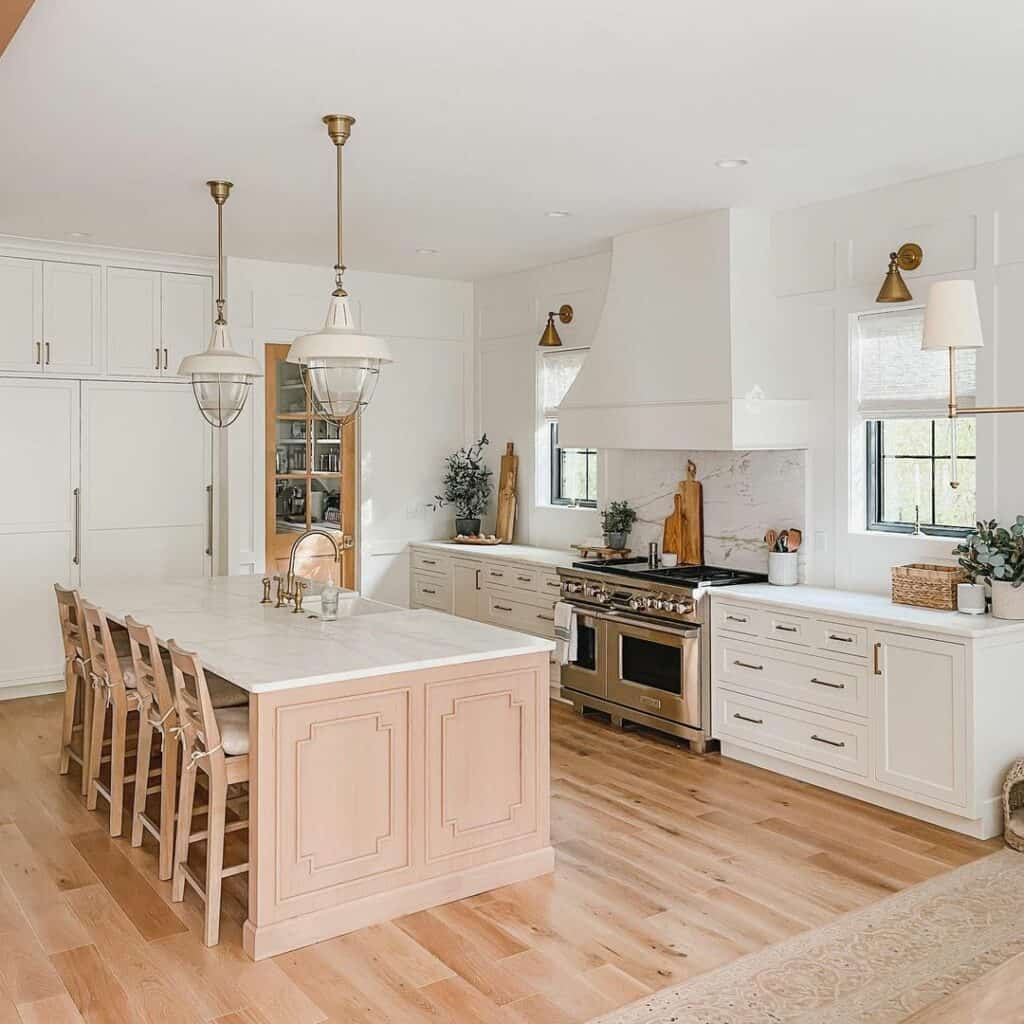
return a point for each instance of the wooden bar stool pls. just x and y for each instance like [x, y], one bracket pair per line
[151, 674]
[111, 690]
[77, 697]
[215, 741]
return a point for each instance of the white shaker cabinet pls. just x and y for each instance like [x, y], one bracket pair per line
[71, 318]
[134, 346]
[21, 313]
[919, 714]
[186, 316]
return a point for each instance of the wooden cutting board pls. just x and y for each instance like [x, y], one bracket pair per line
[506, 522]
[684, 528]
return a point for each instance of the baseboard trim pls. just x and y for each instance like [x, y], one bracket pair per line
[20, 691]
[988, 825]
[294, 933]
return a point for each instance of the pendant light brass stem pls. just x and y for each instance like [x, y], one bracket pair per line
[339, 128]
[220, 190]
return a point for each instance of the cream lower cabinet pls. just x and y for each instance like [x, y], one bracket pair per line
[503, 591]
[922, 724]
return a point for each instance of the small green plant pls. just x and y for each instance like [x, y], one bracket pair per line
[467, 481]
[618, 517]
[992, 552]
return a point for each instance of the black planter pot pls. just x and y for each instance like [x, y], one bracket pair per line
[467, 527]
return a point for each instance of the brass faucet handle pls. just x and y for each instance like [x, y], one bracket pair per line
[282, 594]
[299, 589]
[266, 590]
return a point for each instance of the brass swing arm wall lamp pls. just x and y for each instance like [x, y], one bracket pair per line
[550, 338]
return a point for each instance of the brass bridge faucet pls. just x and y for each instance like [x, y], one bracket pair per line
[289, 587]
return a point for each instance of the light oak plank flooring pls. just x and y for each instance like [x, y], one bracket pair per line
[668, 865]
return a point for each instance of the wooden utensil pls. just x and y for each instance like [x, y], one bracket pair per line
[691, 538]
[505, 525]
[673, 535]
[794, 538]
[771, 538]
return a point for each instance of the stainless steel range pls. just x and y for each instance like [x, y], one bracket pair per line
[643, 642]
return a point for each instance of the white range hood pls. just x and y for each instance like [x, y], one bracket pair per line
[686, 355]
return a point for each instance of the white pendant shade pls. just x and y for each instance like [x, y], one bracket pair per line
[221, 378]
[342, 365]
[951, 318]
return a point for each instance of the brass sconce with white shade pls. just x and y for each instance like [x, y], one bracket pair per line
[221, 377]
[550, 338]
[340, 365]
[894, 289]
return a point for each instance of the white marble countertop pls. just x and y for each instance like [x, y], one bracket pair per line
[870, 607]
[513, 552]
[260, 647]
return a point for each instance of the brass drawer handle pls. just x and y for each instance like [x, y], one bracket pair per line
[841, 639]
[546, 618]
[735, 618]
[501, 608]
[821, 739]
[496, 575]
[525, 579]
[428, 561]
[746, 664]
[825, 682]
[753, 721]
[555, 584]
[788, 629]
[427, 590]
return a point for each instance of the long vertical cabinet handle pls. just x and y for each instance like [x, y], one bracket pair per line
[39, 353]
[878, 651]
[47, 347]
[158, 359]
[165, 359]
[209, 519]
[78, 526]
[478, 579]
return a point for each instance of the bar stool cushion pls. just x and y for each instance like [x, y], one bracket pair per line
[234, 730]
[224, 694]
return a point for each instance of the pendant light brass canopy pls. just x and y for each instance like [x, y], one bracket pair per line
[221, 377]
[894, 288]
[550, 338]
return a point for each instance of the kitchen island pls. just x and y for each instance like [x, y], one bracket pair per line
[399, 759]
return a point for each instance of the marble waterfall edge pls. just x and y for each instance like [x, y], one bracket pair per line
[744, 494]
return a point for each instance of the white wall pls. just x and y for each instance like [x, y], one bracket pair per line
[830, 259]
[422, 409]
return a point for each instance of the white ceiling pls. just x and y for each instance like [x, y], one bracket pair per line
[475, 118]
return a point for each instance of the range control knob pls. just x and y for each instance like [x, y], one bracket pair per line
[572, 588]
[654, 603]
[600, 596]
[636, 604]
[669, 605]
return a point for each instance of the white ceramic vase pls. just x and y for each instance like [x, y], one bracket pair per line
[783, 568]
[970, 598]
[1007, 600]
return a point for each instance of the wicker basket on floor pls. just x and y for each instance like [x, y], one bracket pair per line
[926, 586]
[1013, 807]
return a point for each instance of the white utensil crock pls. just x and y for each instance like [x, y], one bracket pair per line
[1007, 601]
[970, 598]
[783, 568]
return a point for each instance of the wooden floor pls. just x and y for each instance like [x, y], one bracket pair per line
[668, 865]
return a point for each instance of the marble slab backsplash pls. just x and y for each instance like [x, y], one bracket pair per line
[744, 494]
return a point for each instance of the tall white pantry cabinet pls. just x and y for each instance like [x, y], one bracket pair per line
[107, 464]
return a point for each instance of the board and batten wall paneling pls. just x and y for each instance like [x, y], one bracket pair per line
[422, 409]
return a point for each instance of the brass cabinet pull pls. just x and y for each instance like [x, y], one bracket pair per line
[496, 575]
[825, 682]
[165, 359]
[753, 721]
[821, 739]
[427, 590]
[525, 579]
[787, 629]
[78, 525]
[735, 618]
[209, 519]
[878, 651]
[47, 346]
[39, 353]
[746, 664]
[429, 561]
[841, 639]
[501, 608]
[478, 579]
[158, 358]
[546, 618]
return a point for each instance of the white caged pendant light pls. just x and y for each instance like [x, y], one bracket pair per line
[340, 365]
[221, 377]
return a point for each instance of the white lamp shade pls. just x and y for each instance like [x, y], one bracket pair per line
[338, 339]
[219, 357]
[221, 378]
[951, 317]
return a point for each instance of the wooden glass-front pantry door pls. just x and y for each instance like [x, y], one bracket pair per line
[311, 475]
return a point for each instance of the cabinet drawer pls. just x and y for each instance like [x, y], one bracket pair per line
[504, 575]
[431, 592]
[738, 619]
[791, 629]
[828, 685]
[504, 610]
[842, 638]
[825, 742]
[428, 561]
[550, 584]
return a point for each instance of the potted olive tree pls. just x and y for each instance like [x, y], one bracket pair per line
[996, 554]
[467, 486]
[617, 521]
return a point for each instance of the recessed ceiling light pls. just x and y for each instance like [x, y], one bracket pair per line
[79, 234]
[558, 213]
[731, 163]
[429, 252]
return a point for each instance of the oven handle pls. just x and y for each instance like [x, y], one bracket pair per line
[687, 632]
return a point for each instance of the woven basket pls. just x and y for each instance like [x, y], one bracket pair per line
[1013, 807]
[926, 586]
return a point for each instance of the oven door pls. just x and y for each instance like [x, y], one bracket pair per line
[587, 672]
[655, 669]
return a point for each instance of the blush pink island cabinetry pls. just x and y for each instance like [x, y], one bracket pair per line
[399, 758]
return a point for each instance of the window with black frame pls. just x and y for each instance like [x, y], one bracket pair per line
[573, 471]
[910, 475]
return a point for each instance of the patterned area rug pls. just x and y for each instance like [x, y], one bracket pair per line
[874, 966]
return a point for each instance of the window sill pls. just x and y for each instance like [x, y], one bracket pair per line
[907, 538]
[544, 506]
